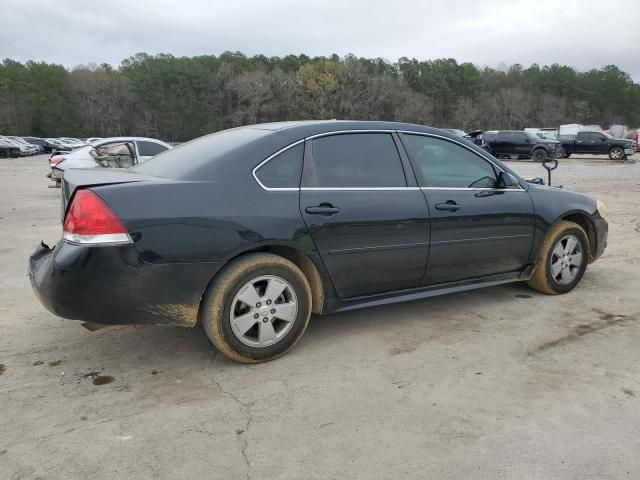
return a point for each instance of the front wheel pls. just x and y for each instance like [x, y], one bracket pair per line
[616, 153]
[562, 260]
[257, 308]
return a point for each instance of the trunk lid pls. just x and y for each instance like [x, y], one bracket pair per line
[75, 178]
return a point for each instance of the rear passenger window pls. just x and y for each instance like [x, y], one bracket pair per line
[359, 160]
[282, 171]
[150, 149]
[446, 164]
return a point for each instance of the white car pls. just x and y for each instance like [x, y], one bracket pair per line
[114, 152]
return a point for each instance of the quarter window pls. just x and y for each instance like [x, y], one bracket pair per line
[447, 165]
[282, 171]
[359, 160]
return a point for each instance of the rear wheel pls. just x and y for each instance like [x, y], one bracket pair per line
[257, 308]
[616, 153]
[562, 260]
[539, 155]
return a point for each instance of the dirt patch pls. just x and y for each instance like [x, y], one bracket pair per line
[628, 392]
[103, 380]
[606, 320]
[401, 350]
[2, 368]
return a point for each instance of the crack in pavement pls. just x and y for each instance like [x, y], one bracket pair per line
[246, 408]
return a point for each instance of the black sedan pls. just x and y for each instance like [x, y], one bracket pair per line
[250, 230]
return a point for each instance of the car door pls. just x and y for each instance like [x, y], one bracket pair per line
[147, 149]
[477, 229]
[522, 143]
[584, 143]
[599, 142]
[369, 224]
[502, 144]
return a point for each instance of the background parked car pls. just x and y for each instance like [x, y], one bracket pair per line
[8, 149]
[25, 150]
[517, 144]
[115, 152]
[597, 143]
[46, 145]
[30, 148]
[476, 136]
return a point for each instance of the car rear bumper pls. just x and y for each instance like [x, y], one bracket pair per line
[602, 232]
[111, 285]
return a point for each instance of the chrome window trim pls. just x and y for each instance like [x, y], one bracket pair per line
[409, 132]
[341, 132]
[424, 134]
[257, 167]
[365, 189]
[489, 189]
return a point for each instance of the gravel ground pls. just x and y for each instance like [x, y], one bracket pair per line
[497, 383]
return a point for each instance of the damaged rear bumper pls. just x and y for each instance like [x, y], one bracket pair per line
[113, 286]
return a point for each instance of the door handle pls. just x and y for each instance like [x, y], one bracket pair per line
[449, 205]
[322, 209]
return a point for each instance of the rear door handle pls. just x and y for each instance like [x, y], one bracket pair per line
[450, 206]
[322, 209]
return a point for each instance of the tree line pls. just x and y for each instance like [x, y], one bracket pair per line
[180, 98]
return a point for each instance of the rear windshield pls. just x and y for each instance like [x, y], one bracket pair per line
[186, 159]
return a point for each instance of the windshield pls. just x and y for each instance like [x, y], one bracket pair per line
[607, 135]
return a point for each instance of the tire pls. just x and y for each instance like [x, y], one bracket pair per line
[616, 153]
[545, 279]
[566, 155]
[560, 153]
[248, 278]
[539, 155]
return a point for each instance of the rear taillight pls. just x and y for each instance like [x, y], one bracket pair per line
[55, 160]
[91, 221]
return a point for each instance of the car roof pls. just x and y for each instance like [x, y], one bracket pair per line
[312, 127]
[235, 150]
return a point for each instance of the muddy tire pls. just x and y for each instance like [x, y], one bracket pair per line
[616, 154]
[562, 260]
[256, 308]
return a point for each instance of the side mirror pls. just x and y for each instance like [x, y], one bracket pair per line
[506, 180]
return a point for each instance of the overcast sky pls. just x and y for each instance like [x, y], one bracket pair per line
[585, 34]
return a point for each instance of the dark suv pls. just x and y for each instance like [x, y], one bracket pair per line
[516, 144]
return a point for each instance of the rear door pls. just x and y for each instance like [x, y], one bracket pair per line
[477, 229]
[584, 143]
[365, 213]
[502, 143]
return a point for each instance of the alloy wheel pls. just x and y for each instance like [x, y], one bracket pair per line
[566, 260]
[263, 311]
